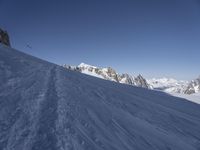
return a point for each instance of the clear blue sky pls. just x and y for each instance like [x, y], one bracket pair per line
[153, 37]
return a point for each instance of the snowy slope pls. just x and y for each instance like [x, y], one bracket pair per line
[191, 97]
[46, 107]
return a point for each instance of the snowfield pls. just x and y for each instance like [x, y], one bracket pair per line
[193, 97]
[46, 107]
[168, 85]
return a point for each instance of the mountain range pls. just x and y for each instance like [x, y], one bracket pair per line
[110, 74]
[168, 85]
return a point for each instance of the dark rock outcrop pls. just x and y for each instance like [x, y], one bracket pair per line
[4, 37]
[127, 79]
[141, 82]
[193, 87]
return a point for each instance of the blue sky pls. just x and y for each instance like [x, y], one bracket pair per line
[156, 38]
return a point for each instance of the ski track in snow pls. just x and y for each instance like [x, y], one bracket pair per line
[45, 136]
[46, 107]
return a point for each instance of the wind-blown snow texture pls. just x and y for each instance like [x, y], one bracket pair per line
[46, 107]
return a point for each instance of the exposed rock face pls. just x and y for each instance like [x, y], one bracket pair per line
[127, 79]
[190, 90]
[193, 87]
[4, 38]
[75, 68]
[141, 82]
[110, 74]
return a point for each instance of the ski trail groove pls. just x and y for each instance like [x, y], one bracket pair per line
[46, 138]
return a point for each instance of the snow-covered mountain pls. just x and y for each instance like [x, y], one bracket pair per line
[193, 87]
[169, 85]
[46, 107]
[110, 74]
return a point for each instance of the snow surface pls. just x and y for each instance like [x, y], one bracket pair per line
[192, 97]
[46, 107]
[84, 65]
[91, 73]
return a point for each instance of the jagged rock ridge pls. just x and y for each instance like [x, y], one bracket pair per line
[110, 74]
[168, 85]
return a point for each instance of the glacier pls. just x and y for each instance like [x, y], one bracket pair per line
[46, 107]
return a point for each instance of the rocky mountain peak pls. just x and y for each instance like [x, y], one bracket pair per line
[4, 37]
[110, 74]
[193, 86]
[140, 81]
